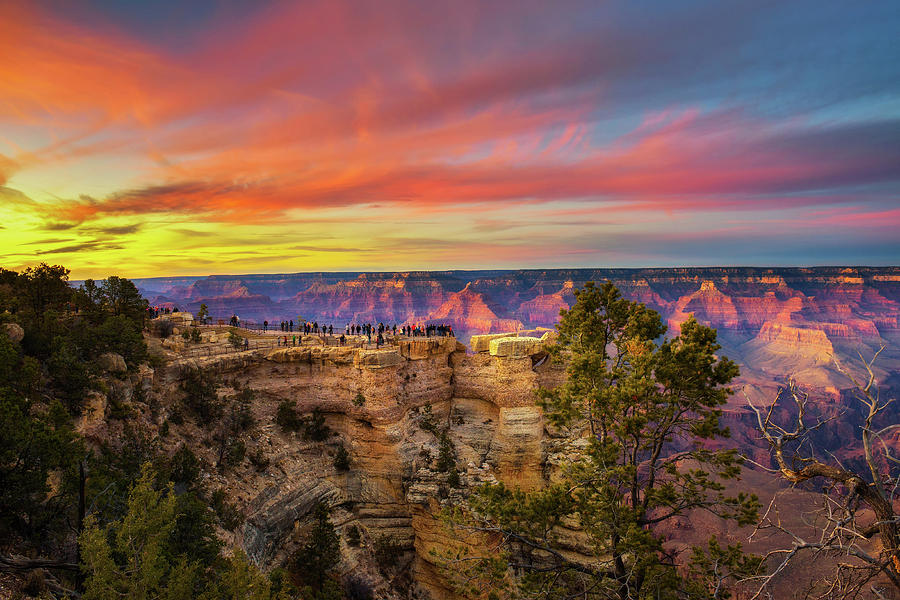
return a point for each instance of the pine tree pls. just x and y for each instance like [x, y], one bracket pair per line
[646, 410]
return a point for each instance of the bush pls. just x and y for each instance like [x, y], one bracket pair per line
[453, 478]
[186, 336]
[259, 460]
[427, 421]
[386, 550]
[195, 335]
[446, 455]
[342, 459]
[241, 417]
[200, 395]
[184, 467]
[232, 454]
[359, 399]
[164, 328]
[118, 408]
[235, 340]
[286, 416]
[229, 516]
[316, 429]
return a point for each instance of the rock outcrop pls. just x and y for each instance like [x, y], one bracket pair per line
[386, 406]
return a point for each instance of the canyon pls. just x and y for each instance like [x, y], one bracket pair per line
[776, 323]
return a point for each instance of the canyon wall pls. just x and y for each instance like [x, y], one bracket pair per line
[394, 489]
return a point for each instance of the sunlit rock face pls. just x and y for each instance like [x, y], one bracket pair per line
[484, 400]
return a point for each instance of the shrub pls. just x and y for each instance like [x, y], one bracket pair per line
[235, 339]
[259, 460]
[176, 417]
[229, 516]
[359, 399]
[386, 550]
[241, 417]
[195, 335]
[428, 422]
[286, 416]
[200, 395]
[453, 478]
[232, 454]
[164, 328]
[184, 467]
[118, 408]
[446, 455]
[316, 429]
[186, 336]
[342, 459]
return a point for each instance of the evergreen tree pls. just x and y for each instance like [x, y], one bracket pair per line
[646, 410]
[315, 562]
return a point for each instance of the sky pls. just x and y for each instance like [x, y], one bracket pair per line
[187, 138]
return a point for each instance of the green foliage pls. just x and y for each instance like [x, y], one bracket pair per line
[229, 516]
[359, 399]
[164, 546]
[259, 460]
[342, 459]
[357, 588]
[315, 428]
[195, 335]
[121, 297]
[314, 563]
[194, 533]
[446, 454]
[185, 468]
[387, 551]
[427, 420]
[235, 339]
[231, 454]
[646, 409]
[129, 557]
[120, 335]
[287, 416]
[200, 397]
[203, 313]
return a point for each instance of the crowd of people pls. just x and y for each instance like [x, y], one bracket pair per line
[373, 333]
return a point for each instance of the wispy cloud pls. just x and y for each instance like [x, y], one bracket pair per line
[392, 129]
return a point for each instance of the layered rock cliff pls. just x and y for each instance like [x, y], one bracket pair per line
[393, 490]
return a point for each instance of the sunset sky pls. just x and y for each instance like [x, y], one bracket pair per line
[188, 138]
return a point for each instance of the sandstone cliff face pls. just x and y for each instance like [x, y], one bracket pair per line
[486, 401]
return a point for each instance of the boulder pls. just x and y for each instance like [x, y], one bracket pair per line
[185, 318]
[516, 347]
[420, 348]
[378, 359]
[482, 343]
[14, 331]
[112, 362]
[289, 355]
